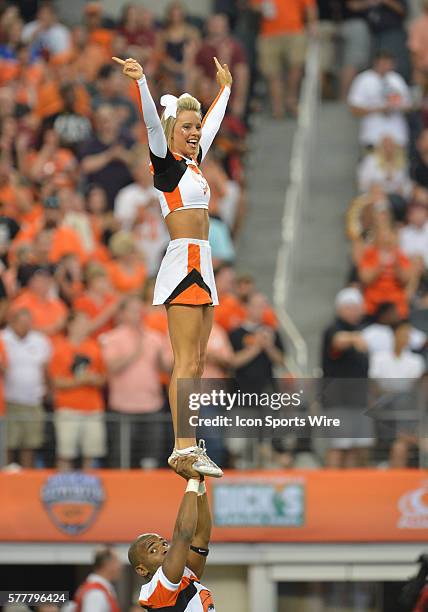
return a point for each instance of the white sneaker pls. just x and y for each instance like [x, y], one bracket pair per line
[204, 465]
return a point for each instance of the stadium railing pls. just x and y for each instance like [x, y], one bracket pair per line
[296, 194]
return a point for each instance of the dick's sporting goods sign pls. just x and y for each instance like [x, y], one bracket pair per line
[264, 504]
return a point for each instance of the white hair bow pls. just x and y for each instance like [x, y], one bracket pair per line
[170, 102]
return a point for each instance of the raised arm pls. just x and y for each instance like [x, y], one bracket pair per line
[213, 118]
[198, 553]
[157, 140]
[185, 524]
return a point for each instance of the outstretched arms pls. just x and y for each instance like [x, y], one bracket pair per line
[214, 117]
[157, 140]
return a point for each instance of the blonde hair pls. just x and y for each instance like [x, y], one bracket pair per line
[184, 103]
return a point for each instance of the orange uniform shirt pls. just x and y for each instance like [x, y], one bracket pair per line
[65, 241]
[386, 287]
[66, 361]
[287, 16]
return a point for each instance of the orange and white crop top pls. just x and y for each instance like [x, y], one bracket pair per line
[178, 181]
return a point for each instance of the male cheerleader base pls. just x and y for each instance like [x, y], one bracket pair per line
[172, 571]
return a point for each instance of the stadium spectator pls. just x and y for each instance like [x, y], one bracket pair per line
[418, 45]
[385, 271]
[387, 24]
[229, 50]
[98, 301]
[328, 16]
[380, 98]
[27, 353]
[102, 220]
[63, 239]
[345, 367]
[138, 194]
[258, 349]
[379, 335]
[229, 314]
[48, 313]
[420, 165]
[282, 40]
[127, 271]
[395, 372]
[97, 593]
[179, 41]
[151, 235]
[356, 39]
[386, 168]
[245, 288]
[105, 157]
[71, 127]
[109, 91]
[47, 33]
[413, 237]
[222, 248]
[130, 350]
[78, 376]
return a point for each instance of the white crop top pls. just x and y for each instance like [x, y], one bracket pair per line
[178, 181]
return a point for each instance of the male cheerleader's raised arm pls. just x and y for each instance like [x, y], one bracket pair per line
[157, 140]
[212, 120]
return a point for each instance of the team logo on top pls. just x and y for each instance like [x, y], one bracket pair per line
[414, 509]
[73, 500]
[200, 179]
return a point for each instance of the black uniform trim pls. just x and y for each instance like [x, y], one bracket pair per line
[193, 277]
[183, 600]
[168, 171]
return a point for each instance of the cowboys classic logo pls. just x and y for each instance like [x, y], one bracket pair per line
[73, 501]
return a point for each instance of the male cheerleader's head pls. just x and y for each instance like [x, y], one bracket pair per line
[147, 553]
[182, 124]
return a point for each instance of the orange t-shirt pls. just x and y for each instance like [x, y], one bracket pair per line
[126, 282]
[85, 303]
[386, 288]
[66, 360]
[44, 312]
[3, 365]
[230, 313]
[157, 319]
[287, 16]
[64, 242]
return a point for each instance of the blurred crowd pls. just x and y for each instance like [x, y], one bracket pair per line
[82, 237]
[381, 324]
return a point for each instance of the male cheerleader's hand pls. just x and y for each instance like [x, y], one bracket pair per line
[131, 68]
[224, 78]
[183, 467]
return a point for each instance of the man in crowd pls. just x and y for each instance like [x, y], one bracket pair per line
[78, 376]
[282, 41]
[97, 593]
[130, 350]
[380, 97]
[345, 366]
[27, 353]
[257, 348]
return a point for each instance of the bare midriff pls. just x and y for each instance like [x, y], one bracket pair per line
[190, 223]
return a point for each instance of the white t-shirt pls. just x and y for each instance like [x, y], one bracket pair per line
[370, 173]
[96, 600]
[160, 593]
[24, 381]
[414, 241]
[128, 201]
[55, 39]
[396, 373]
[381, 338]
[371, 90]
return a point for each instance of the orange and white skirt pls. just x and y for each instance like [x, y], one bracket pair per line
[186, 274]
